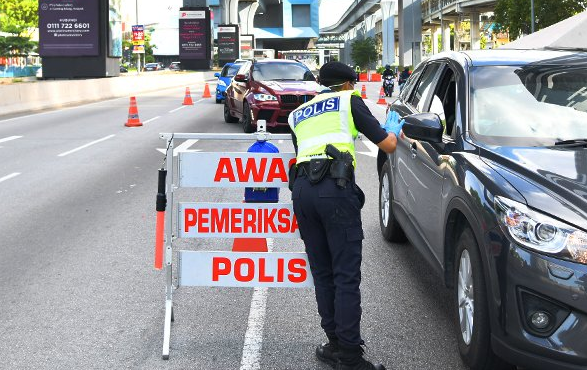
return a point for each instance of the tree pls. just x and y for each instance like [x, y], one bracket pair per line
[18, 18]
[364, 52]
[514, 16]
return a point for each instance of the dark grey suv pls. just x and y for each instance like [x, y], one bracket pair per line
[489, 183]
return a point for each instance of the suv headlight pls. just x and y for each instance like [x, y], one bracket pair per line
[540, 232]
[264, 97]
[221, 83]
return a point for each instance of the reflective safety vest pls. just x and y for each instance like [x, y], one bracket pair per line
[326, 119]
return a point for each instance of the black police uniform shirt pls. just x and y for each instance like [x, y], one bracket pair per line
[364, 122]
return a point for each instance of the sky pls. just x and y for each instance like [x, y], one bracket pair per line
[152, 11]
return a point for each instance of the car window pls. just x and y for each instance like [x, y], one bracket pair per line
[424, 88]
[244, 69]
[406, 91]
[230, 71]
[281, 72]
[533, 105]
[444, 100]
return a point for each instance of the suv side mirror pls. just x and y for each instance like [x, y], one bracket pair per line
[424, 126]
[216, 74]
[240, 78]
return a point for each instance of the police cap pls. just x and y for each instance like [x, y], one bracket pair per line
[336, 72]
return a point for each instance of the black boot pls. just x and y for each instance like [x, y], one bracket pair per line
[328, 352]
[351, 358]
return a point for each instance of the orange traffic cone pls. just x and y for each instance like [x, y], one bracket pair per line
[250, 245]
[206, 91]
[381, 96]
[133, 114]
[187, 100]
[363, 92]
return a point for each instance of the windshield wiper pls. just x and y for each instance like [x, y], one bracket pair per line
[572, 143]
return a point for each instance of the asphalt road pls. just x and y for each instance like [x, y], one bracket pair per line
[76, 254]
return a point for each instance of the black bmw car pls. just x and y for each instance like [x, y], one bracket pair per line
[489, 183]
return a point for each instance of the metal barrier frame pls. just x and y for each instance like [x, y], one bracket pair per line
[170, 186]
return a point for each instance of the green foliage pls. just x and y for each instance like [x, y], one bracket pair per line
[364, 52]
[427, 43]
[18, 17]
[149, 59]
[514, 16]
[16, 46]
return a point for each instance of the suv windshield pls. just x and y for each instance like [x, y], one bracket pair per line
[230, 71]
[532, 105]
[282, 72]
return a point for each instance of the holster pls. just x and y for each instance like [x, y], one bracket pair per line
[318, 169]
[292, 174]
[342, 171]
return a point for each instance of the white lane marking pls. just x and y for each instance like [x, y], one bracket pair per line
[176, 109]
[183, 147]
[3, 140]
[85, 146]
[373, 148]
[251, 359]
[152, 119]
[7, 177]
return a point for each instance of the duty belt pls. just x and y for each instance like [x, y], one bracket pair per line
[316, 169]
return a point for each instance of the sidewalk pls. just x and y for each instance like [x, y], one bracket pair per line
[24, 97]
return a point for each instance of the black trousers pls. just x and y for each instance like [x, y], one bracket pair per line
[329, 220]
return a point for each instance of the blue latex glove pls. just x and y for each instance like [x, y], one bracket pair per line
[393, 123]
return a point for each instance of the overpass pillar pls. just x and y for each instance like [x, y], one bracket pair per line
[410, 32]
[388, 29]
[475, 35]
[436, 32]
[229, 11]
[445, 35]
[246, 12]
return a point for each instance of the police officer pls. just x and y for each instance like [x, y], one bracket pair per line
[327, 204]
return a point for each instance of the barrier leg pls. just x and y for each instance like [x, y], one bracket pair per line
[167, 328]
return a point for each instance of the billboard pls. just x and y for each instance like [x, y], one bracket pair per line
[114, 29]
[69, 28]
[247, 46]
[193, 33]
[138, 39]
[228, 42]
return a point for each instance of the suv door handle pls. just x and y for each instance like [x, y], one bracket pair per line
[414, 150]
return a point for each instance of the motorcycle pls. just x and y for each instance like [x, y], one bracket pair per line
[388, 85]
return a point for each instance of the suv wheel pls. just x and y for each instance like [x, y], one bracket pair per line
[247, 119]
[228, 118]
[470, 304]
[390, 227]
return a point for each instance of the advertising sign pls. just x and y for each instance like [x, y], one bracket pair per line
[192, 34]
[231, 220]
[228, 42]
[234, 170]
[238, 269]
[114, 29]
[247, 46]
[138, 35]
[68, 28]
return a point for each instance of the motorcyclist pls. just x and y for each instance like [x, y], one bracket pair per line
[403, 76]
[387, 72]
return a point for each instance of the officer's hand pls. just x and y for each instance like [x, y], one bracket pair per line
[393, 123]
